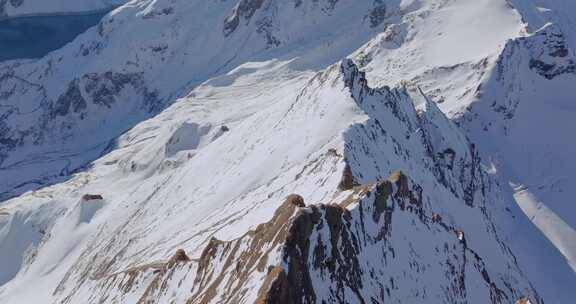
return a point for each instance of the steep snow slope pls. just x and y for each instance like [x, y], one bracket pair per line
[442, 46]
[196, 133]
[512, 97]
[526, 111]
[63, 104]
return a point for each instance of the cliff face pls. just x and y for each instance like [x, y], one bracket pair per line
[228, 154]
[361, 254]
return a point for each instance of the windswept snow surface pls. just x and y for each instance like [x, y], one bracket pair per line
[195, 120]
[467, 30]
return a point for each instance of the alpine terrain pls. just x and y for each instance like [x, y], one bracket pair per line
[292, 151]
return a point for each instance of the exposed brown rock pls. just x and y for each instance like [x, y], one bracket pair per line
[333, 152]
[383, 192]
[523, 300]
[348, 182]
[297, 287]
[178, 257]
[436, 218]
[242, 257]
[275, 288]
[296, 200]
[333, 217]
[401, 181]
[294, 285]
[358, 192]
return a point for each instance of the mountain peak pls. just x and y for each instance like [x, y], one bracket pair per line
[303, 151]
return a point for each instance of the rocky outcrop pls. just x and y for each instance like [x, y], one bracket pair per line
[354, 256]
[81, 96]
[91, 197]
[455, 164]
[243, 11]
[523, 300]
[179, 257]
[347, 182]
[231, 265]
[550, 54]
[86, 104]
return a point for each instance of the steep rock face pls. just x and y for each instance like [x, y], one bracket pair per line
[420, 128]
[244, 10]
[339, 255]
[550, 53]
[62, 117]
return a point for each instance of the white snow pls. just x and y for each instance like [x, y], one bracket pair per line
[236, 123]
[465, 31]
[556, 230]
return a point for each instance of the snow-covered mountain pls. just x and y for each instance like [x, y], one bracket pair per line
[301, 151]
[18, 8]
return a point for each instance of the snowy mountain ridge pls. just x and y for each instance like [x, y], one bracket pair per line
[228, 154]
